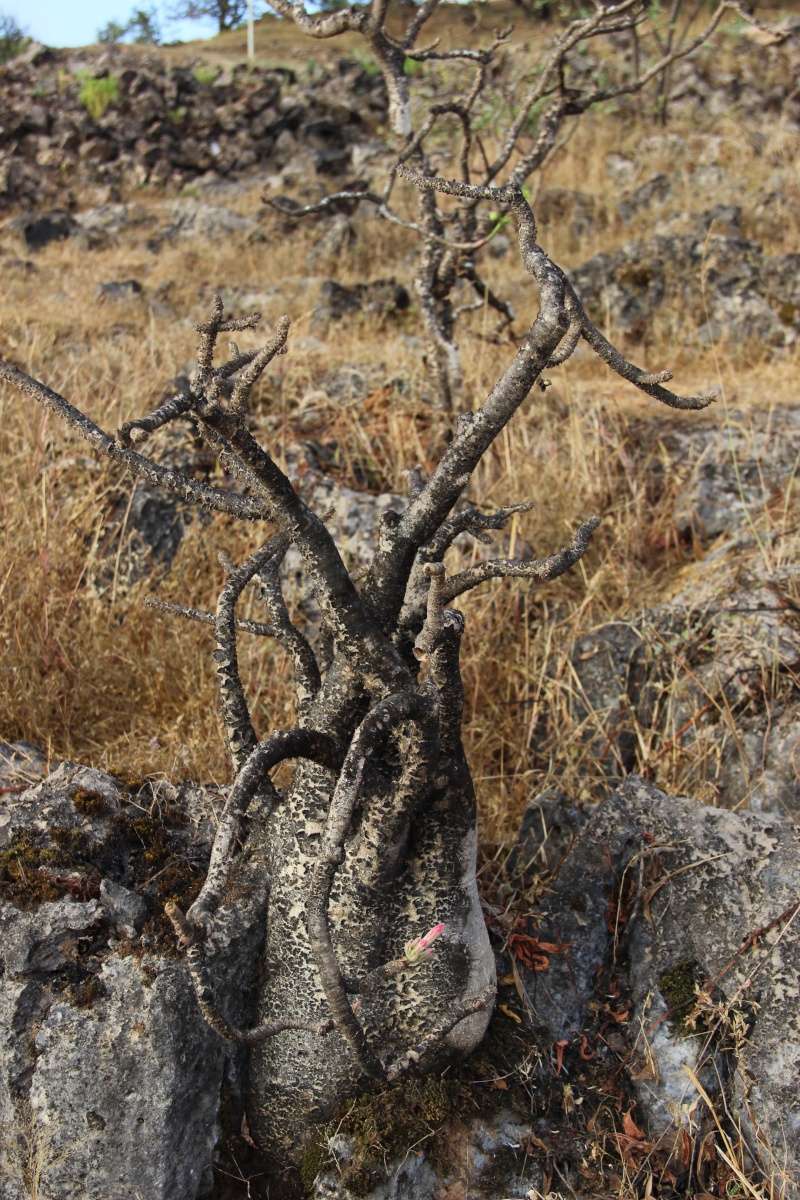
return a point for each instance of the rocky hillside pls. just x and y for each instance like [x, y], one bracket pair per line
[117, 118]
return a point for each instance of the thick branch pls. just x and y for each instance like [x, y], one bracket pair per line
[476, 432]
[240, 734]
[198, 973]
[279, 746]
[386, 717]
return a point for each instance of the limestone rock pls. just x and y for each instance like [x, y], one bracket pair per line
[128, 1088]
[743, 880]
[380, 297]
[110, 1079]
[119, 290]
[730, 473]
[746, 294]
[35, 232]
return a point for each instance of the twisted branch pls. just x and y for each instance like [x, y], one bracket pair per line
[283, 744]
[380, 723]
[542, 570]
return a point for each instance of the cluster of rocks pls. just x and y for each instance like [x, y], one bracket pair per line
[116, 118]
[709, 674]
[710, 278]
[665, 956]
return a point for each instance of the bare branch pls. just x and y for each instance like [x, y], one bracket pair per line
[470, 520]
[173, 408]
[326, 25]
[432, 54]
[241, 736]
[431, 633]
[645, 381]
[198, 973]
[541, 569]
[415, 26]
[306, 667]
[225, 428]
[382, 209]
[246, 507]
[207, 618]
[572, 337]
[476, 432]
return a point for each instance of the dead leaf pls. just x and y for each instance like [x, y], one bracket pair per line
[632, 1130]
[507, 1012]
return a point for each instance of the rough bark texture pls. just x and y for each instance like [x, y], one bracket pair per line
[400, 875]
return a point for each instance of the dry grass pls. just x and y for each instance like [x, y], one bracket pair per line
[103, 679]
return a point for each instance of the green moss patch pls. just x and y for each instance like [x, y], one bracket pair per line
[678, 986]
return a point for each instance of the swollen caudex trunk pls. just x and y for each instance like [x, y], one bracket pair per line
[399, 877]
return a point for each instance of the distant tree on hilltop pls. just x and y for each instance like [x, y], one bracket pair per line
[227, 13]
[12, 37]
[141, 27]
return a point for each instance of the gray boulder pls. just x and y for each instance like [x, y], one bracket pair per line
[188, 218]
[687, 914]
[745, 294]
[128, 1088]
[714, 961]
[35, 232]
[110, 1080]
[380, 298]
[727, 474]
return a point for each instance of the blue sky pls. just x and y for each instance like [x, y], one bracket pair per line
[61, 23]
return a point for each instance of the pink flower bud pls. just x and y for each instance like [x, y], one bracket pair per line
[420, 948]
[431, 936]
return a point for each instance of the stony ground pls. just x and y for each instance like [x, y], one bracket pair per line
[671, 653]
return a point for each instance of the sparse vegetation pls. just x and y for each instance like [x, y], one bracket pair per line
[98, 93]
[205, 74]
[141, 28]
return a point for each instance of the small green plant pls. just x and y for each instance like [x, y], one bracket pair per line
[177, 115]
[205, 74]
[368, 65]
[97, 95]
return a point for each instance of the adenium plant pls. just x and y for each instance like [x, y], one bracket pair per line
[374, 838]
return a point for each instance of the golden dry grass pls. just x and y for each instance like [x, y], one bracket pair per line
[105, 680]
